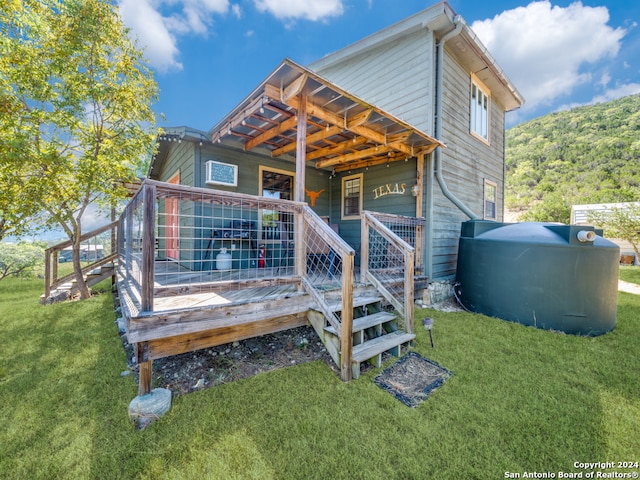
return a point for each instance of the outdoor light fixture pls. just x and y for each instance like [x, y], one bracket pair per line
[428, 324]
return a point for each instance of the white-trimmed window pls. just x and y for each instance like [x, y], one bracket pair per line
[480, 107]
[351, 197]
[490, 200]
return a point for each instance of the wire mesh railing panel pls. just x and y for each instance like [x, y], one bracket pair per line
[130, 249]
[215, 238]
[328, 266]
[323, 262]
[409, 229]
[386, 262]
[388, 259]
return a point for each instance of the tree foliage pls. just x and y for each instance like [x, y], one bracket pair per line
[621, 222]
[585, 155]
[20, 260]
[75, 112]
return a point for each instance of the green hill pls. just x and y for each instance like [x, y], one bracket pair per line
[585, 155]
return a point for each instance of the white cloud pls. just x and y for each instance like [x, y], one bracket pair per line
[543, 48]
[308, 9]
[152, 34]
[157, 33]
[617, 92]
[235, 8]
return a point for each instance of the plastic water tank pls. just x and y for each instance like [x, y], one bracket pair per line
[549, 276]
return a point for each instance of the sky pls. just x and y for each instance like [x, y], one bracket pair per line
[208, 55]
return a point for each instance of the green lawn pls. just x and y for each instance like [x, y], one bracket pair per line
[520, 400]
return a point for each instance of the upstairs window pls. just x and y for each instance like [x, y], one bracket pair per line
[351, 197]
[480, 105]
[490, 200]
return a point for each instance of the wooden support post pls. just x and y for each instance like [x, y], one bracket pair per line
[420, 183]
[427, 239]
[47, 273]
[300, 246]
[148, 247]
[346, 336]
[301, 149]
[364, 248]
[419, 213]
[128, 241]
[145, 368]
[409, 287]
[114, 242]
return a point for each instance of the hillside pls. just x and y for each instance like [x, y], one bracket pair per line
[585, 155]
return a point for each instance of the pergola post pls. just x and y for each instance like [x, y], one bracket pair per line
[301, 149]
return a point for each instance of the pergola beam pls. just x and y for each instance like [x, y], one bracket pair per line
[337, 149]
[396, 144]
[368, 163]
[369, 152]
[282, 127]
[314, 137]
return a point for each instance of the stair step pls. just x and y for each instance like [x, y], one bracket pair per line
[378, 345]
[367, 321]
[336, 306]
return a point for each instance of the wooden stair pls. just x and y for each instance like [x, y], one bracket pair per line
[68, 289]
[375, 332]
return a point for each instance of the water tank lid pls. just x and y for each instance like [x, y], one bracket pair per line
[532, 233]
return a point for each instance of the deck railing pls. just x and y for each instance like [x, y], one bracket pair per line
[388, 256]
[133, 258]
[329, 265]
[178, 240]
[91, 256]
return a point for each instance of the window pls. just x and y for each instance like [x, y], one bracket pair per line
[480, 102]
[490, 196]
[351, 197]
[275, 183]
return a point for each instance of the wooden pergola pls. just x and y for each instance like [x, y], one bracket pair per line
[295, 111]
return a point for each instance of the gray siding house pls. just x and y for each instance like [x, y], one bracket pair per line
[331, 196]
[408, 121]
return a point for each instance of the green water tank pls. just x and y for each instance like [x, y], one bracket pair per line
[544, 275]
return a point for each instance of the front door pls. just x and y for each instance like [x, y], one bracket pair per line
[173, 231]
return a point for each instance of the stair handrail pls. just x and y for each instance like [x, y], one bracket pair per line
[344, 325]
[51, 279]
[406, 307]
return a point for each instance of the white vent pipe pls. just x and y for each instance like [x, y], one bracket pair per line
[586, 236]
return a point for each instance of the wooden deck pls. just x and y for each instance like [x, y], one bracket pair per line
[173, 307]
[177, 288]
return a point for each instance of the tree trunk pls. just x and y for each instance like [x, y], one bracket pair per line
[77, 266]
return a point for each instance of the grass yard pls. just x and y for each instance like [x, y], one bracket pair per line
[520, 400]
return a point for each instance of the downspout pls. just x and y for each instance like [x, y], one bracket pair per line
[438, 127]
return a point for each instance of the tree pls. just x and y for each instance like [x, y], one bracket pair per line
[553, 208]
[621, 222]
[19, 259]
[75, 112]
